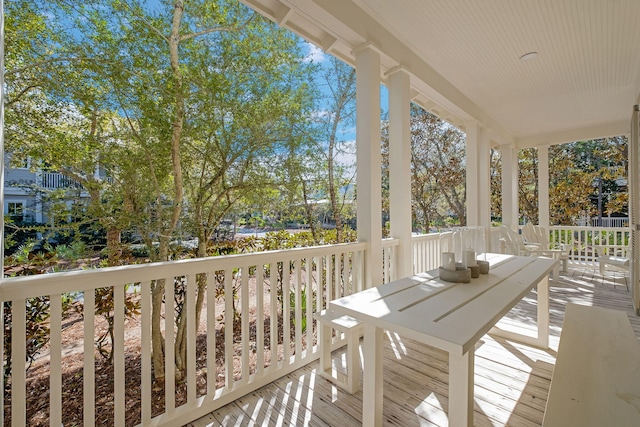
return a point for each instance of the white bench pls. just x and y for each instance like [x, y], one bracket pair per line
[352, 328]
[596, 379]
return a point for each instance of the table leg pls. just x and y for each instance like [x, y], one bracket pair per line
[543, 312]
[461, 371]
[542, 338]
[372, 382]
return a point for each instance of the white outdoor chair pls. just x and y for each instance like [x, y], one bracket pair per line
[516, 245]
[538, 235]
[604, 259]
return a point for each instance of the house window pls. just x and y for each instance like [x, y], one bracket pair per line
[24, 163]
[15, 210]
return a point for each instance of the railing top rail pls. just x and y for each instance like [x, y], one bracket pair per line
[80, 280]
[587, 227]
[390, 241]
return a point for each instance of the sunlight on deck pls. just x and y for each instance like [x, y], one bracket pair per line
[511, 379]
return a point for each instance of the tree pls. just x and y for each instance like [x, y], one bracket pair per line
[341, 81]
[181, 102]
[496, 183]
[437, 169]
[586, 178]
[528, 184]
[569, 186]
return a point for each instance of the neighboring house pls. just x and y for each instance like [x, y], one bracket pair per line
[26, 188]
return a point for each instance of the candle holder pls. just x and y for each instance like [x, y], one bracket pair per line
[483, 266]
[448, 261]
[459, 275]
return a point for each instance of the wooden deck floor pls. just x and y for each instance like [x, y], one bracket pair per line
[511, 379]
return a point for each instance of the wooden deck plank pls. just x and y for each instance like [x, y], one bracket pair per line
[512, 379]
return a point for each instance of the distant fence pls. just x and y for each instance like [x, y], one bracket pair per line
[604, 222]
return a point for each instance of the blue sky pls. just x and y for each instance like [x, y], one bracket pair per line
[316, 55]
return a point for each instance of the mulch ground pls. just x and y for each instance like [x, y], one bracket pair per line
[37, 400]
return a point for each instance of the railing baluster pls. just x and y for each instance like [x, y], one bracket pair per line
[145, 353]
[273, 315]
[118, 354]
[228, 328]
[192, 338]
[310, 300]
[298, 306]
[286, 318]
[55, 361]
[329, 278]
[2, 371]
[169, 346]
[259, 319]
[246, 337]
[212, 366]
[18, 362]
[337, 263]
[359, 277]
[89, 362]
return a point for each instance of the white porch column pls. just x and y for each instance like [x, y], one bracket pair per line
[634, 206]
[472, 131]
[543, 186]
[484, 179]
[509, 185]
[478, 176]
[400, 170]
[368, 162]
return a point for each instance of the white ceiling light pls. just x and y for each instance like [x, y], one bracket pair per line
[529, 55]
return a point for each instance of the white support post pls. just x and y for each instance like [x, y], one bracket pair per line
[484, 182]
[368, 161]
[400, 170]
[472, 131]
[478, 178]
[509, 185]
[543, 187]
[634, 204]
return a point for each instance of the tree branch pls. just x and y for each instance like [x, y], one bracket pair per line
[218, 29]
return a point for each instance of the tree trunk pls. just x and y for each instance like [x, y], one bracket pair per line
[308, 210]
[163, 251]
[114, 247]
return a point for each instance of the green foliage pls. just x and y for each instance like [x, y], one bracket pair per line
[303, 306]
[71, 252]
[437, 170]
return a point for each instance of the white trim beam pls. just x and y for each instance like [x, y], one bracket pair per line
[571, 135]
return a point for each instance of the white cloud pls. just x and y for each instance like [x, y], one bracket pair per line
[314, 54]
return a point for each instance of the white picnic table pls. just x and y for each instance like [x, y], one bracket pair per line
[449, 316]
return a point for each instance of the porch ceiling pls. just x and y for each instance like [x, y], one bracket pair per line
[463, 56]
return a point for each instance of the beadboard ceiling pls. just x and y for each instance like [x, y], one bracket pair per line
[463, 57]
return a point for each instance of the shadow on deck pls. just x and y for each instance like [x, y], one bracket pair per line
[511, 379]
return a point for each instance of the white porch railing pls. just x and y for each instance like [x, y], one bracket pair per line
[271, 284]
[389, 260]
[605, 222]
[582, 241]
[427, 249]
[53, 180]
